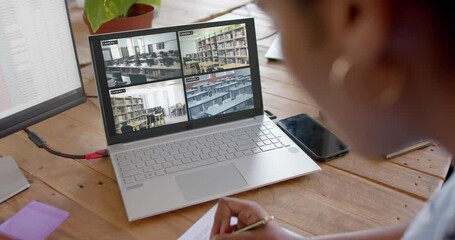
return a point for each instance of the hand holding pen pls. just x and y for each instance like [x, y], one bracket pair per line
[253, 222]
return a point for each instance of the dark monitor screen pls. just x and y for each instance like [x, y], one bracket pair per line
[39, 73]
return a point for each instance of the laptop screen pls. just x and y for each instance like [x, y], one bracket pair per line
[158, 81]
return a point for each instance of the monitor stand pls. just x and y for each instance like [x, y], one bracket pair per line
[12, 181]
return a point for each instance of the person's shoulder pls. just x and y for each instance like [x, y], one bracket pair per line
[437, 218]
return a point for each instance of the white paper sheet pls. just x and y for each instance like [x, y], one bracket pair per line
[202, 228]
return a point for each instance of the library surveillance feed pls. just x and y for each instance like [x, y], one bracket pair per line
[213, 49]
[141, 59]
[146, 106]
[219, 93]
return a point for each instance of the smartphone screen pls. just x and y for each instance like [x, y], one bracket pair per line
[313, 138]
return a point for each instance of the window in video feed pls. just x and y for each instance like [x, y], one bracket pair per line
[147, 106]
[214, 49]
[219, 93]
[142, 59]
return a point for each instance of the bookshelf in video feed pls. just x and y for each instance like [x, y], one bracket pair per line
[144, 75]
[216, 70]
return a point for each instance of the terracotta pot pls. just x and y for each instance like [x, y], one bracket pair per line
[140, 17]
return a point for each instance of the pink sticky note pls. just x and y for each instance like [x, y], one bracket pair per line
[35, 221]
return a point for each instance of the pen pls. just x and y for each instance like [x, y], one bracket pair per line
[413, 147]
[259, 223]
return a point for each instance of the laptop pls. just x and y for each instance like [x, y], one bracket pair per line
[183, 116]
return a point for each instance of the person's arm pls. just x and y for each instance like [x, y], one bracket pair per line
[249, 212]
[389, 232]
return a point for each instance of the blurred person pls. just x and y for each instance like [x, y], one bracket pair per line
[383, 72]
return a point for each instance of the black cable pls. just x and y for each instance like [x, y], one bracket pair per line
[41, 143]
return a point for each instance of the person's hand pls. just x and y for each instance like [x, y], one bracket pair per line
[247, 213]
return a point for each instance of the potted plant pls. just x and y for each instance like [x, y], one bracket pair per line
[102, 16]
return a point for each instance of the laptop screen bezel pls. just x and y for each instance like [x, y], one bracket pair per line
[103, 89]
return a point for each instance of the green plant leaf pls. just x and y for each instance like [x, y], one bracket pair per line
[156, 3]
[99, 12]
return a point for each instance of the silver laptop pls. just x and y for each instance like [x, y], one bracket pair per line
[183, 116]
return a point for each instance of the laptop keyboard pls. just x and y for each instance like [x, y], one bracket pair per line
[141, 164]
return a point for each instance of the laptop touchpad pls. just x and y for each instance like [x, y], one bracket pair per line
[210, 181]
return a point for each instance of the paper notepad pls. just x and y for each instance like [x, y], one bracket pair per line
[202, 228]
[35, 221]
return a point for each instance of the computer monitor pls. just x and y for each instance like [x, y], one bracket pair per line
[39, 72]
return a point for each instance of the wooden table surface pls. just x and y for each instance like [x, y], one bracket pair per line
[350, 193]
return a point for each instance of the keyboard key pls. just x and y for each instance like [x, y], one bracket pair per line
[196, 158]
[232, 144]
[221, 158]
[285, 141]
[245, 147]
[197, 152]
[140, 165]
[165, 154]
[148, 169]
[190, 165]
[170, 158]
[140, 177]
[267, 142]
[131, 173]
[160, 173]
[214, 148]
[268, 147]
[239, 154]
[256, 150]
[278, 145]
[188, 154]
[176, 162]
[230, 156]
[179, 156]
[158, 167]
[231, 150]
[223, 152]
[205, 156]
[150, 163]
[136, 160]
[213, 154]
[129, 180]
[248, 152]
[274, 140]
[186, 160]
[224, 146]
[260, 144]
[149, 175]
[167, 164]
[127, 168]
[124, 162]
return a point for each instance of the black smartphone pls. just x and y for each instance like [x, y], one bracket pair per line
[316, 140]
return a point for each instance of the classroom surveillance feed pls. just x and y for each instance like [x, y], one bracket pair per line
[147, 106]
[141, 59]
[214, 49]
[219, 93]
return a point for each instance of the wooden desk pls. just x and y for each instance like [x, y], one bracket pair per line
[206, 65]
[232, 65]
[229, 106]
[350, 193]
